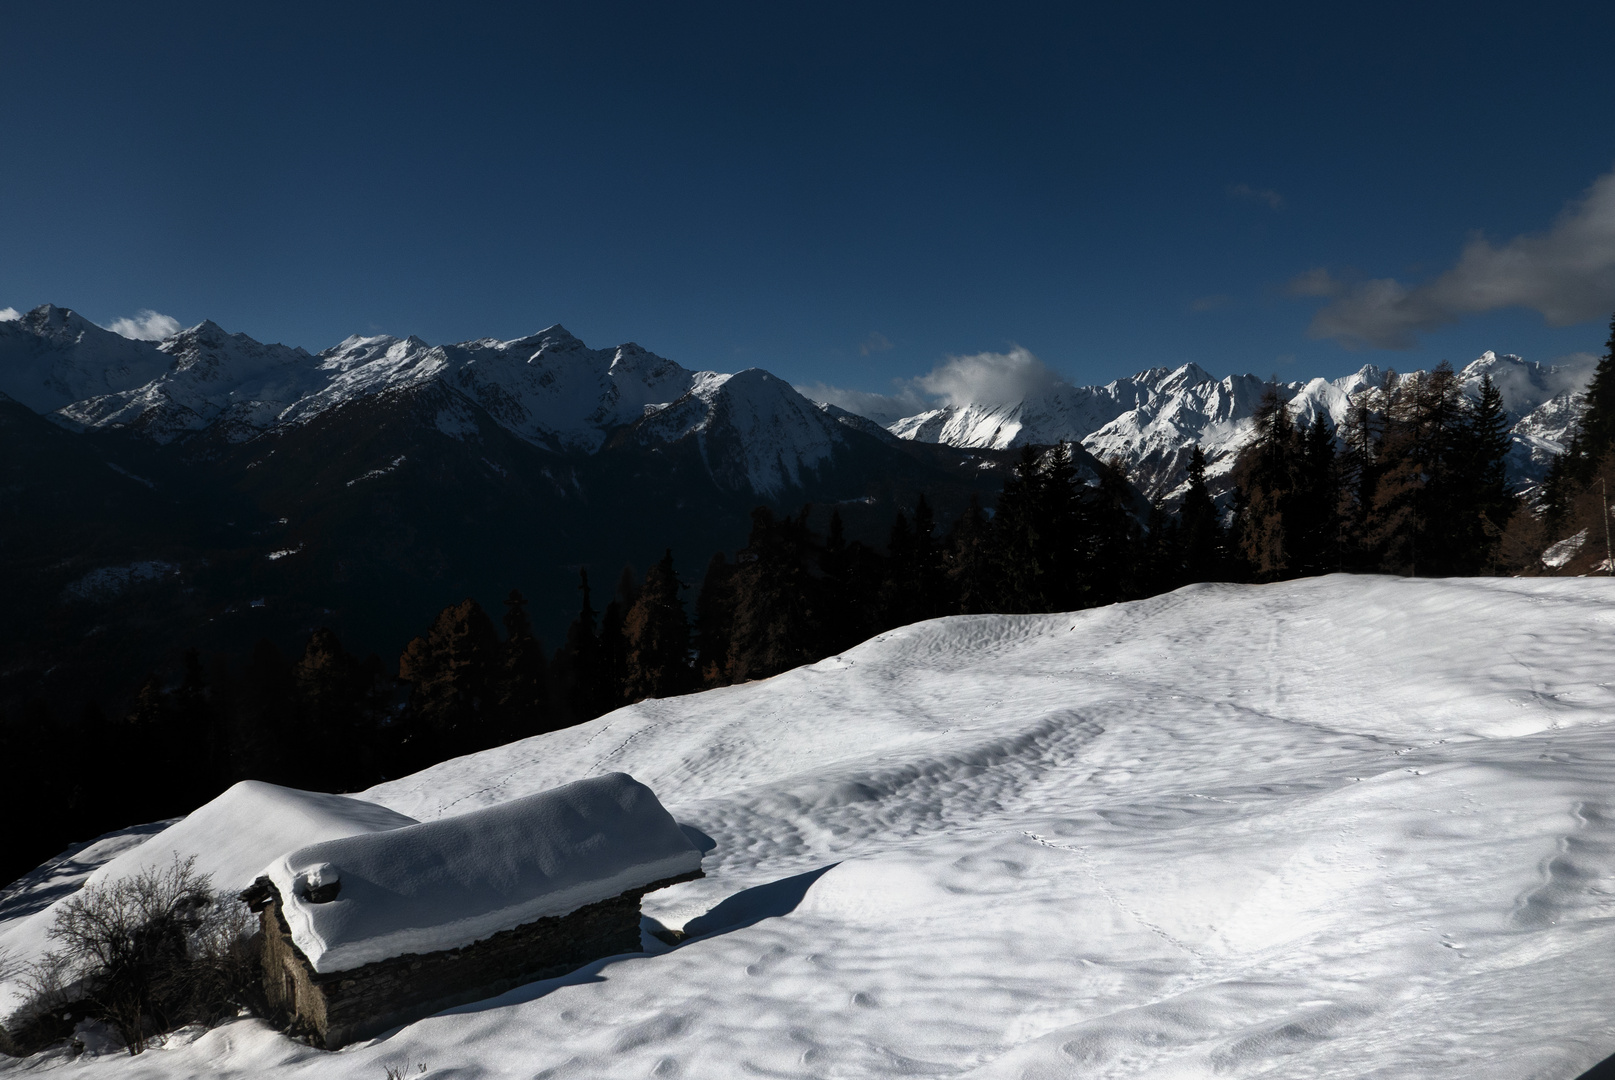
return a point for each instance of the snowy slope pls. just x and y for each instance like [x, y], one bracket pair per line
[1152, 419]
[215, 379]
[1340, 827]
[753, 430]
[52, 357]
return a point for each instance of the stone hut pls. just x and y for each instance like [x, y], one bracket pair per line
[363, 933]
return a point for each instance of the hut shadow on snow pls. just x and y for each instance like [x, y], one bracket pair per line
[753, 905]
[745, 908]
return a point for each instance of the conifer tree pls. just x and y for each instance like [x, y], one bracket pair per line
[1201, 531]
[264, 732]
[657, 635]
[1417, 498]
[1315, 503]
[970, 562]
[1114, 541]
[613, 668]
[714, 621]
[776, 624]
[1042, 535]
[577, 663]
[1482, 503]
[1595, 435]
[1161, 565]
[1265, 474]
[521, 691]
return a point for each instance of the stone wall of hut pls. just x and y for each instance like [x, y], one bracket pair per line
[339, 1007]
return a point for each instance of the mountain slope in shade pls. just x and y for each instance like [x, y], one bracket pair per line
[1151, 420]
[368, 486]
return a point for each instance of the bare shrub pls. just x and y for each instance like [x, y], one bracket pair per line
[146, 953]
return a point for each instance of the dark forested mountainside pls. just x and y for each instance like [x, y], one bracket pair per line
[120, 554]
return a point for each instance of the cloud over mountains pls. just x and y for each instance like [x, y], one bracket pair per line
[1566, 273]
[991, 378]
[147, 325]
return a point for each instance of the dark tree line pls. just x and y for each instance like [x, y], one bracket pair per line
[1576, 492]
[1413, 483]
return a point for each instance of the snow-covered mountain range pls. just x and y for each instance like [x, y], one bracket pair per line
[752, 431]
[1152, 420]
[549, 389]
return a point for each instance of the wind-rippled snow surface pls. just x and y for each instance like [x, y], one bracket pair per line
[1344, 827]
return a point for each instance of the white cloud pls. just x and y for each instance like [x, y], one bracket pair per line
[1567, 274]
[987, 378]
[1266, 195]
[9, 314]
[148, 325]
[981, 378]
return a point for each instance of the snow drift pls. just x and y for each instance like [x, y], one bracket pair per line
[1341, 827]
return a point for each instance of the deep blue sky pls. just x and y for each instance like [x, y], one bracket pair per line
[1112, 187]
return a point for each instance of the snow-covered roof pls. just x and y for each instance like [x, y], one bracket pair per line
[447, 883]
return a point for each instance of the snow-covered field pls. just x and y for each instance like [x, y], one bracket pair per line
[1343, 827]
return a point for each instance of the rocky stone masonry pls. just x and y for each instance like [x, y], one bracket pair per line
[339, 1007]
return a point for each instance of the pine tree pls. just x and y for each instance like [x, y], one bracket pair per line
[1315, 505]
[577, 663]
[1417, 506]
[1201, 531]
[714, 621]
[612, 673]
[1595, 437]
[1117, 546]
[1161, 566]
[1042, 535]
[776, 624]
[969, 561]
[1483, 503]
[521, 691]
[1265, 474]
[657, 634]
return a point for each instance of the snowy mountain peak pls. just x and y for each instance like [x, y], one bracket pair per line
[555, 338]
[57, 323]
[1150, 420]
[752, 429]
[53, 356]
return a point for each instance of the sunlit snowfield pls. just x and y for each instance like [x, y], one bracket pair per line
[1344, 827]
